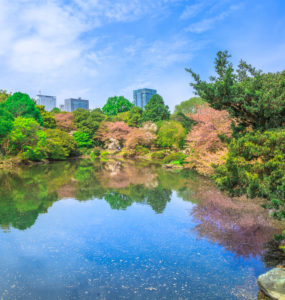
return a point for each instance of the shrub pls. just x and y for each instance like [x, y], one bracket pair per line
[178, 157]
[171, 134]
[23, 134]
[158, 155]
[141, 151]
[82, 139]
[255, 166]
[60, 144]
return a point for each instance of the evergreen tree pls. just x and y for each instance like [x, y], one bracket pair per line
[155, 110]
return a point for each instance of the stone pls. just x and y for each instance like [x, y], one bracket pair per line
[272, 283]
[113, 145]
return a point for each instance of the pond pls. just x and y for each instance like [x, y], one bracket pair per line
[126, 230]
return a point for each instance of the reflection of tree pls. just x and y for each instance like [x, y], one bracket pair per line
[117, 200]
[26, 192]
[29, 191]
[239, 225]
[273, 255]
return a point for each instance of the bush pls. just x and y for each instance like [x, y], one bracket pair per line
[82, 139]
[141, 151]
[60, 144]
[175, 157]
[158, 155]
[255, 166]
[171, 134]
[23, 134]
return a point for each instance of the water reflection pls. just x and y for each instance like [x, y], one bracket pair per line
[240, 226]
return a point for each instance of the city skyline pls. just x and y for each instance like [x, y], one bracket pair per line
[94, 49]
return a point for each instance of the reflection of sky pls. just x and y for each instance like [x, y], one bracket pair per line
[87, 250]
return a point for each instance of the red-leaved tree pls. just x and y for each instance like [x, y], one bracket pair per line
[65, 121]
[203, 142]
[139, 137]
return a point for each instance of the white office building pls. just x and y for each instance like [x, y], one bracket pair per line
[49, 102]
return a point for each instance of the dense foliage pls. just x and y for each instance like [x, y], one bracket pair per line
[6, 123]
[189, 106]
[82, 139]
[185, 121]
[116, 105]
[256, 166]
[171, 134]
[253, 98]
[88, 122]
[47, 117]
[65, 121]
[155, 110]
[4, 95]
[205, 143]
[21, 105]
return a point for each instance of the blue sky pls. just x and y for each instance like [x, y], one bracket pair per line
[96, 49]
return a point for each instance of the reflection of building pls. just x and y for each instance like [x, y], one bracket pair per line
[72, 104]
[49, 102]
[142, 96]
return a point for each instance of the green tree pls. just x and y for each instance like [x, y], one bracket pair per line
[21, 105]
[82, 139]
[254, 99]
[47, 117]
[4, 95]
[55, 110]
[6, 123]
[186, 122]
[135, 117]
[171, 134]
[116, 105]
[60, 144]
[189, 106]
[88, 121]
[23, 134]
[255, 166]
[155, 110]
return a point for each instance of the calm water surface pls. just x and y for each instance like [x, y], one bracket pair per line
[89, 230]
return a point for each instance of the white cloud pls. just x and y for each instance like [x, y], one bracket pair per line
[57, 48]
[208, 23]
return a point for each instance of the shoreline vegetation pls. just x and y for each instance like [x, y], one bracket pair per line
[233, 132]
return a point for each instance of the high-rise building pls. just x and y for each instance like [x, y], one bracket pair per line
[142, 96]
[49, 102]
[72, 104]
